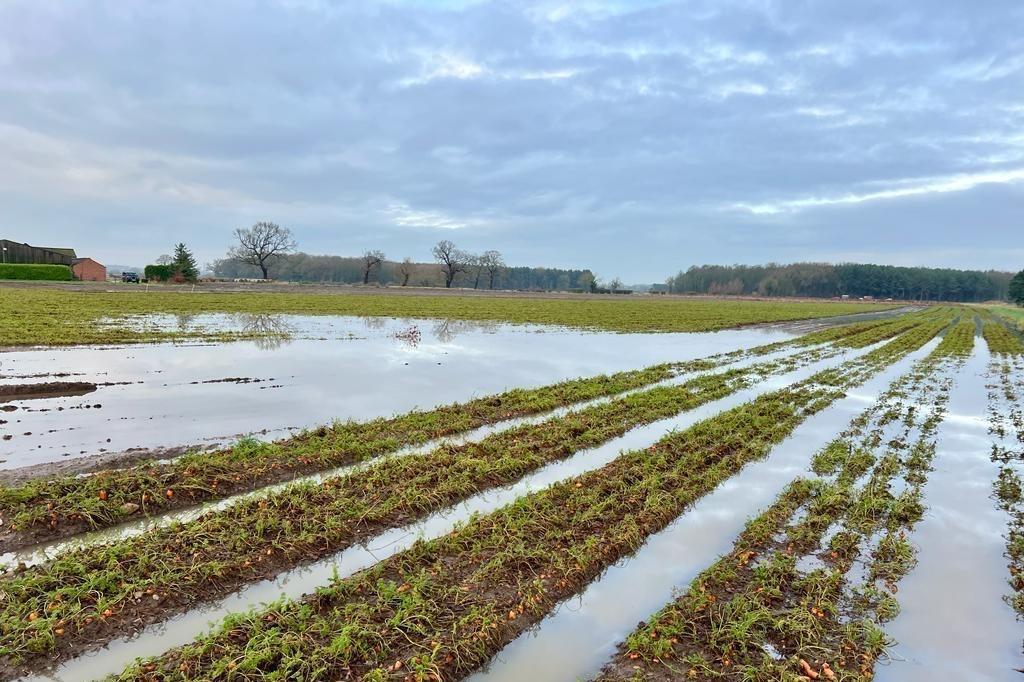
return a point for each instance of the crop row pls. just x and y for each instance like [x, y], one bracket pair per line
[786, 602]
[1000, 340]
[1006, 426]
[220, 551]
[48, 509]
[959, 340]
[863, 334]
[443, 607]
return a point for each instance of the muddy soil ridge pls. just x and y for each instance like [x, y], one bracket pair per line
[53, 389]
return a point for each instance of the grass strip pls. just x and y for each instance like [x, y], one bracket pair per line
[40, 315]
[444, 607]
[91, 593]
[759, 613]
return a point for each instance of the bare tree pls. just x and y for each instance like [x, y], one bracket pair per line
[371, 260]
[615, 284]
[476, 263]
[451, 259]
[261, 244]
[492, 262]
[164, 260]
[406, 269]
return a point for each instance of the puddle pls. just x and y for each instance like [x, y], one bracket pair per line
[953, 622]
[304, 580]
[337, 368]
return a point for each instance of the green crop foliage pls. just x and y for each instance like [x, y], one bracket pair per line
[54, 273]
[1000, 340]
[48, 316]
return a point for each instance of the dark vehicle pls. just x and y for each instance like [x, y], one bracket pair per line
[130, 277]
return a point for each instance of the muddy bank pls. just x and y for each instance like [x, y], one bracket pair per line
[99, 462]
[53, 389]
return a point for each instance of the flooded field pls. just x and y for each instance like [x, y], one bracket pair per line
[163, 398]
[411, 499]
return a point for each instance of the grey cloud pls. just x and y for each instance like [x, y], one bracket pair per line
[620, 136]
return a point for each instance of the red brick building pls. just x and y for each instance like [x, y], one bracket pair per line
[88, 270]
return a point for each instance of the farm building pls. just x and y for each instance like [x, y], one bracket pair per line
[85, 269]
[88, 270]
[16, 252]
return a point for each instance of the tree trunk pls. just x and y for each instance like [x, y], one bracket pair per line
[263, 267]
[366, 276]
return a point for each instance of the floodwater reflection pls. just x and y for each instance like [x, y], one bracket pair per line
[305, 371]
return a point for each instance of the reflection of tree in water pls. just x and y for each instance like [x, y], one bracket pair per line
[185, 321]
[268, 332]
[375, 323]
[445, 331]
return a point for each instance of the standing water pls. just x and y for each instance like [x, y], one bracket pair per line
[166, 396]
[953, 622]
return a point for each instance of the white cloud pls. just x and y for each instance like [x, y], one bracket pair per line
[727, 90]
[821, 111]
[438, 65]
[901, 189]
[402, 214]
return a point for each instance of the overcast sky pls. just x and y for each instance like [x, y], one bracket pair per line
[635, 138]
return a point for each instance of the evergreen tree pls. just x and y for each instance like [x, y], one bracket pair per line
[185, 263]
[1016, 290]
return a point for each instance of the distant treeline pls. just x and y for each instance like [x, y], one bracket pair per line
[824, 280]
[304, 267]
